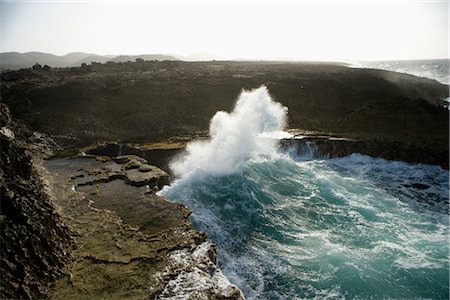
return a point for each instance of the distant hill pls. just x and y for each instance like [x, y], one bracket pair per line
[160, 57]
[93, 58]
[16, 60]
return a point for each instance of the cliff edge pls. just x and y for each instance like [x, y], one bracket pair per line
[35, 244]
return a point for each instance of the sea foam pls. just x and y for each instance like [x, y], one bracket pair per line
[304, 226]
[235, 137]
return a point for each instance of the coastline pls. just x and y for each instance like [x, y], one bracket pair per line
[131, 242]
[148, 246]
[102, 224]
[333, 146]
[76, 188]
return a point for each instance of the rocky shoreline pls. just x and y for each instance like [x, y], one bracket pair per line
[315, 145]
[129, 235]
[92, 227]
[117, 238]
[329, 146]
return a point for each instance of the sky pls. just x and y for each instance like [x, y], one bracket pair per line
[301, 30]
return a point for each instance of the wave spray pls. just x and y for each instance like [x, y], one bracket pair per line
[235, 137]
[290, 227]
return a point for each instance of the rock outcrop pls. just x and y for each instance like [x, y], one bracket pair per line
[195, 275]
[157, 154]
[35, 244]
[127, 234]
[93, 227]
[132, 169]
[326, 146]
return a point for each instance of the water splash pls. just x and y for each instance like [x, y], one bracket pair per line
[235, 137]
[303, 226]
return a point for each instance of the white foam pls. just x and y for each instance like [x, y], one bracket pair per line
[276, 135]
[236, 137]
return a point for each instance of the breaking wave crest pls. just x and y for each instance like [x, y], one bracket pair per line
[235, 137]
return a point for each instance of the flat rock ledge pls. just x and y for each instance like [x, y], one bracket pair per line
[131, 243]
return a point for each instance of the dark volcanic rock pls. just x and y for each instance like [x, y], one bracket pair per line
[152, 101]
[35, 245]
[149, 101]
[391, 150]
[156, 154]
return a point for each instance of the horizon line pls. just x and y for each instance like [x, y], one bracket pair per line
[219, 58]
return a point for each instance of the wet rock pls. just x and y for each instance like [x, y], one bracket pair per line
[129, 160]
[132, 169]
[145, 168]
[326, 146]
[127, 232]
[154, 177]
[156, 154]
[195, 275]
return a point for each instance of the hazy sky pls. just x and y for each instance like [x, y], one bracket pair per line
[329, 30]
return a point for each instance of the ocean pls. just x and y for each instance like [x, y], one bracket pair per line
[295, 227]
[437, 69]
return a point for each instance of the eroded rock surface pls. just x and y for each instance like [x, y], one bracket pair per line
[157, 154]
[195, 275]
[326, 146]
[127, 235]
[92, 227]
[35, 244]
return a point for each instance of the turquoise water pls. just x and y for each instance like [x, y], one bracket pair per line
[354, 227]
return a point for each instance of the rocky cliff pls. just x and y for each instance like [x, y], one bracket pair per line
[328, 146]
[35, 244]
[92, 227]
